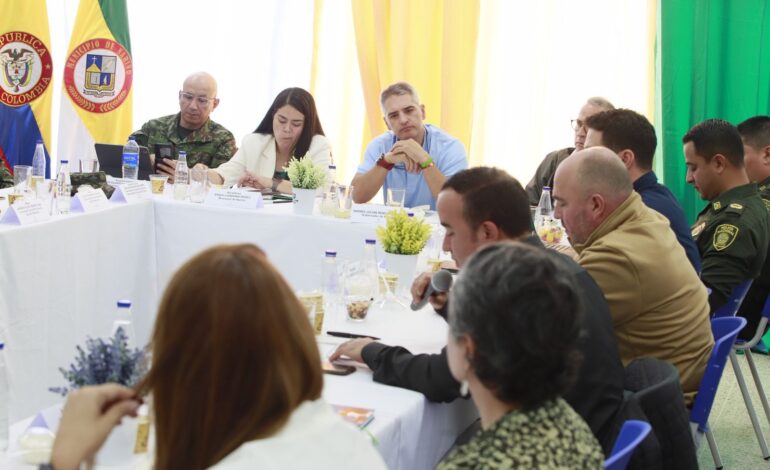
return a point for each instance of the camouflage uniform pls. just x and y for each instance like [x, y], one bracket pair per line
[96, 180]
[211, 145]
[6, 178]
[733, 235]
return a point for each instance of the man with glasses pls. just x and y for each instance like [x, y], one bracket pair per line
[191, 130]
[547, 169]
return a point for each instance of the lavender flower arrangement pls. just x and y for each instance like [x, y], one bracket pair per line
[103, 362]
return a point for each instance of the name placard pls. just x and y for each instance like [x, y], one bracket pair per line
[89, 201]
[131, 192]
[370, 213]
[234, 198]
[25, 214]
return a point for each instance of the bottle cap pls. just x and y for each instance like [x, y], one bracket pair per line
[123, 303]
[332, 167]
[2, 346]
[546, 188]
[330, 254]
[39, 141]
[182, 152]
[65, 161]
[370, 241]
[410, 214]
[132, 139]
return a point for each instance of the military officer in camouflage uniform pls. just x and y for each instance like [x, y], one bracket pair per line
[206, 142]
[6, 178]
[733, 231]
[755, 133]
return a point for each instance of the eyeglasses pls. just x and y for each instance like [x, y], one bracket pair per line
[577, 124]
[188, 97]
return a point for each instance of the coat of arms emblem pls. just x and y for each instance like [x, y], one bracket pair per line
[17, 67]
[100, 75]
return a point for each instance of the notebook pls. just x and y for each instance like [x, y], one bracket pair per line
[110, 158]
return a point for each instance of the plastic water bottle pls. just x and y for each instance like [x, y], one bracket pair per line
[131, 159]
[181, 177]
[38, 164]
[123, 319]
[3, 401]
[544, 211]
[63, 188]
[330, 281]
[331, 179]
[370, 264]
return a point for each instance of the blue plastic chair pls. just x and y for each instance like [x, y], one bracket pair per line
[631, 434]
[725, 330]
[730, 308]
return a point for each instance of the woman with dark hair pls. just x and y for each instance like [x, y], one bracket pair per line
[513, 330]
[235, 379]
[290, 128]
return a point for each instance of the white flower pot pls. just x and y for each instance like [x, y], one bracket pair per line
[404, 266]
[304, 200]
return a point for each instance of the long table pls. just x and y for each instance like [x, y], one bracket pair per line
[60, 280]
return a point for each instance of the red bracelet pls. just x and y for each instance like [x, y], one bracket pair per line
[384, 163]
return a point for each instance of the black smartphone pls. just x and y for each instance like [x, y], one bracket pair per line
[336, 369]
[166, 150]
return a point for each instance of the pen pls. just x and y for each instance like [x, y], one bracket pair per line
[341, 334]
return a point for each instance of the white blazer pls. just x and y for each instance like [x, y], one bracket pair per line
[257, 155]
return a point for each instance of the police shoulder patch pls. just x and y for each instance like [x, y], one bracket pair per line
[734, 208]
[697, 229]
[767, 203]
[724, 236]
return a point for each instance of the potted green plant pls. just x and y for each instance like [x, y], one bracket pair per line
[403, 237]
[305, 179]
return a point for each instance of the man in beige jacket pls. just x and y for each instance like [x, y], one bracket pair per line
[658, 305]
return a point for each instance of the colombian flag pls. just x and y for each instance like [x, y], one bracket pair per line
[98, 72]
[25, 78]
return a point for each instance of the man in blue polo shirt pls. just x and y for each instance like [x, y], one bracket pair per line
[412, 155]
[632, 137]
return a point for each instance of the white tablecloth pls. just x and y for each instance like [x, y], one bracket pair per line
[60, 280]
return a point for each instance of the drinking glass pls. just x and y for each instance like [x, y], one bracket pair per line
[344, 201]
[396, 197]
[158, 183]
[198, 181]
[357, 292]
[89, 165]
[21, 177]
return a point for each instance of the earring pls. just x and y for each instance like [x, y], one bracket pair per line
[464, 388]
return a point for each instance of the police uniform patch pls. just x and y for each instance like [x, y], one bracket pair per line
[717, 205]
[698, 229]
[735, 205]
[724, 236]
[767, 203]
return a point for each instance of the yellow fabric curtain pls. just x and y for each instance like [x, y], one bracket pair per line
[429, 43]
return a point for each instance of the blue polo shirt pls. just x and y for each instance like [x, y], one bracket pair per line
[658, 197]
[448, 155]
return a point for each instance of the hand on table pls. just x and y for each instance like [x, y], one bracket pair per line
[437, 299]
[253, 181]
[351, 349]
[87, 419]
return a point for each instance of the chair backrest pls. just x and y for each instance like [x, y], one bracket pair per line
[725, 330]
[730, 308]
[631, 434]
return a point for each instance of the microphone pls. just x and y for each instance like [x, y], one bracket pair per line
[441, 281]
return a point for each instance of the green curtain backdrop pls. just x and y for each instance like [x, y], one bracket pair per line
[714, 62]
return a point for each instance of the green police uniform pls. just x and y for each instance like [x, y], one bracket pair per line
[6, 178]
[211, 145]
[732, 234]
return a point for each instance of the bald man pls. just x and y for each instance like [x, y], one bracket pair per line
[658, 305]
[191, 130]
[547, 168]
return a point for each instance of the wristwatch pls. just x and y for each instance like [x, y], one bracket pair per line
[384, 163]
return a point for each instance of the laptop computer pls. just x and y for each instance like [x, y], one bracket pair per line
[110, 158]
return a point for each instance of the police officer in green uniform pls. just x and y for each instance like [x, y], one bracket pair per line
[755, 133]
[206, 142]
[733, 231]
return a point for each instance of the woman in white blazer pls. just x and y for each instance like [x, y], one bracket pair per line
[235, 379]
[290, 128]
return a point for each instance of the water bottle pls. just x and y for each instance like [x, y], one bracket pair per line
[131, 159]
[330, 281]
[544, 211]
[3, 401]
[38, 165]
[181, 177]
[123, 320]
[370, 264]
[331, 179]
[63, 188]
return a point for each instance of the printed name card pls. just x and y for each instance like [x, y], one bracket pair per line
[234, 198]
[370, 213]
[131, 192]
[89, 201]
[25, 214]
